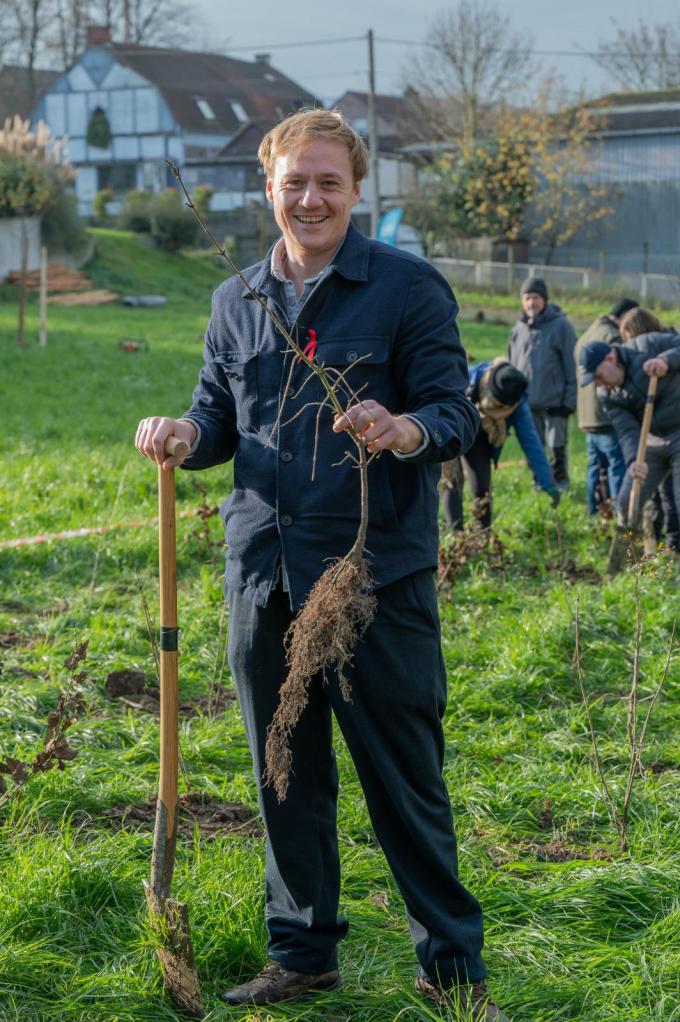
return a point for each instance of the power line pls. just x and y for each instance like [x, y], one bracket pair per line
[539, 53]
[307, 42]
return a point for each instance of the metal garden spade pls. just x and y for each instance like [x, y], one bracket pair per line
[619, 548]
[170, 919]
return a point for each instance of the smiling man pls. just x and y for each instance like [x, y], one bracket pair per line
[387, 321]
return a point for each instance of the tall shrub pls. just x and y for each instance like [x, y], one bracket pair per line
[172, 225]
[34, 173]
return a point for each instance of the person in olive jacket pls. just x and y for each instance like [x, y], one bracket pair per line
[602, 447]
[622, 375]
[385, 321]
[541, 346]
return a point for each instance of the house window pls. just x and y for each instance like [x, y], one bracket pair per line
[238, 111]
[119, 177]
[205, 108]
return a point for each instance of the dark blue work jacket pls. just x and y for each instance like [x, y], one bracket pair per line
[393, 315]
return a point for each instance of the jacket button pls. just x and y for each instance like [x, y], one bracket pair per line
[352, 356]
[286, 519]
[286, 455]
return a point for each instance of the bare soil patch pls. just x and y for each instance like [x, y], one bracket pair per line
[196, 809]
[555, 850]
[12, 638]
[129, 687]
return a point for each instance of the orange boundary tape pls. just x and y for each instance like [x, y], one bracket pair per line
[52, 537]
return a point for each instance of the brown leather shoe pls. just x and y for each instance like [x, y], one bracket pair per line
[275, 983]
[472, 1001]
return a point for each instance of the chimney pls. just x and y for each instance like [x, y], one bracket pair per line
[98, 35]
[263, 58]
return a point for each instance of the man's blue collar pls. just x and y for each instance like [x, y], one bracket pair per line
[350, 262]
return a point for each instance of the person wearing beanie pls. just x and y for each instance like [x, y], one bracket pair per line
[541, 346]
[606, 467]
[498, 391]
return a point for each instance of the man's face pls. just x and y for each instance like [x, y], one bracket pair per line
[610, 372]
[313, 191]
[533, 304]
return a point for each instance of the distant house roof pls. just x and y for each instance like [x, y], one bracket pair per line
[208, 92]
[637, 113]
[390, 113]
[245, 143]
[16, 95]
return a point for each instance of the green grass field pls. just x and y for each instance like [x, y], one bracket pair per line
[576, 929]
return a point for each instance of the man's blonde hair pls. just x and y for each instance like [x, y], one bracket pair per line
[306, 126]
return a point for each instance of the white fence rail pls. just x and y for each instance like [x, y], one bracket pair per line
[508, 277]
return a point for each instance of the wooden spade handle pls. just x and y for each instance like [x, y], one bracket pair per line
[166, 810]
[634, 499]
[176, 448]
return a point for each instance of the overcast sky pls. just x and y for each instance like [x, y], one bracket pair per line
[329, 69]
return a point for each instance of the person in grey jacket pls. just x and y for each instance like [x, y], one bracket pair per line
[541, 346]
[622, 376]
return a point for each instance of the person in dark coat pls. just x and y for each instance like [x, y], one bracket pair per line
[605, 460]
[541, 346]
[660, 514]
[385, 320]
[622, 375]
[498, 391]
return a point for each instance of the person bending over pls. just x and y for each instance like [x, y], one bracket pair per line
[499, 392]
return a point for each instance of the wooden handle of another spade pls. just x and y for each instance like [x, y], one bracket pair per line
[634, 499]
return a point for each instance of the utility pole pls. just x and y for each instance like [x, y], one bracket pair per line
[126, 21]
[373, 139]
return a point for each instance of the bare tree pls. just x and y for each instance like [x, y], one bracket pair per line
[54, 32]
[648, 57]
[162, 22]
[472, 60]
[26, 26]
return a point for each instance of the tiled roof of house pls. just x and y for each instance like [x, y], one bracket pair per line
[16, 96]
[234, 90]
[245, 143]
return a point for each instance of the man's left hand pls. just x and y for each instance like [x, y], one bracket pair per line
[379, 429]
[655, 366]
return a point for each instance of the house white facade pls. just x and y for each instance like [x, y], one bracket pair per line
[143, 130]
[156, 104]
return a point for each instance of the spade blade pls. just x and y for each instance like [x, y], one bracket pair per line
[169, 920]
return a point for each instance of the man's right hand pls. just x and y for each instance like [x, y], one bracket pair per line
[153, 432]
[639, 469]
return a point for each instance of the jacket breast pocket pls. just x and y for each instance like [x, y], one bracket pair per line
[353, 351]
[238, 371]
[362, 365]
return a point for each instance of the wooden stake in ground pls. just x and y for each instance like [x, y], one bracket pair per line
[621, 542]
[42, 338]
[23, 282]
[169, 919]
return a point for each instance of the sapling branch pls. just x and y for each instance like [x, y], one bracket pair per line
[635, 739]
[613, 810]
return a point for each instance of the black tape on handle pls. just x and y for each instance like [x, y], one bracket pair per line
[169, 639]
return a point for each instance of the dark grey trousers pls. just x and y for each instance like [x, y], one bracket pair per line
[663, 460]
[393, 730]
